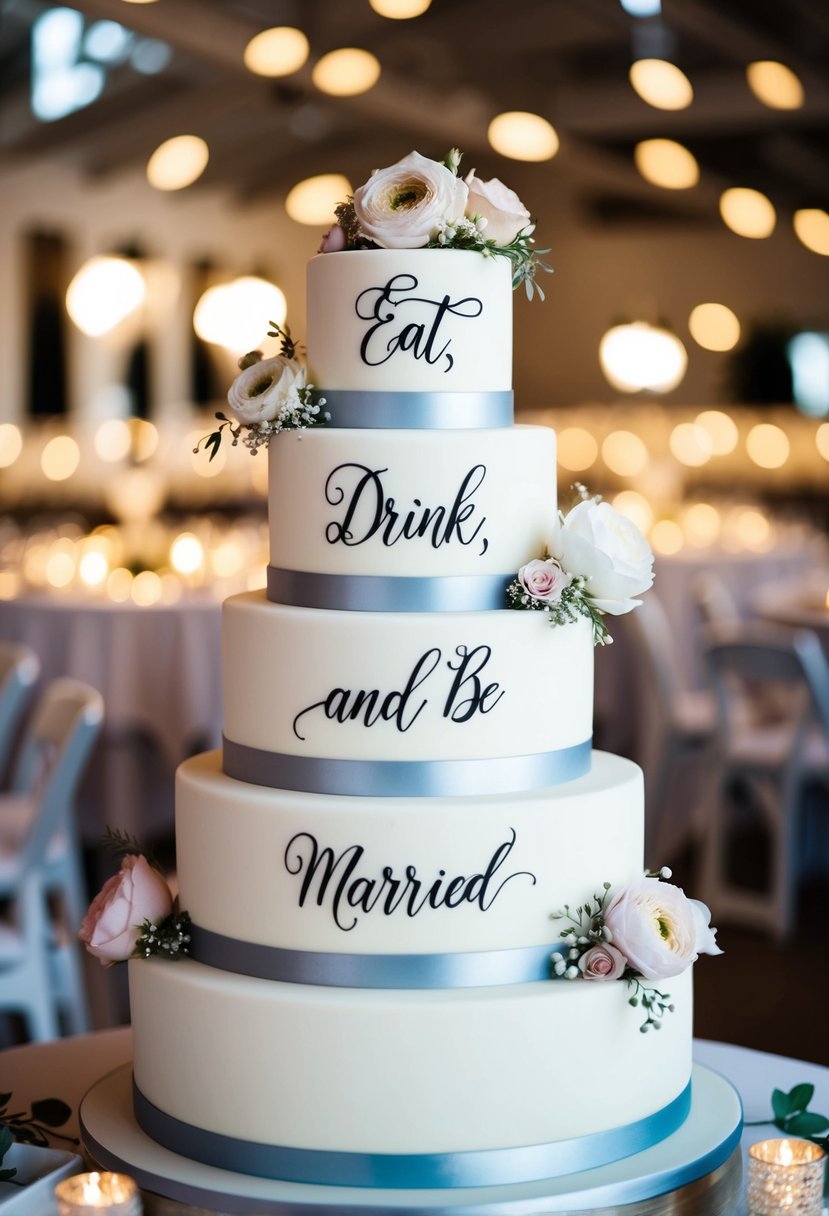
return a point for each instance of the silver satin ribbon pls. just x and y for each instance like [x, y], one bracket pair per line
[471, 969]
[489, 1167]
[405, 778]
[417, 411]
[377, 593]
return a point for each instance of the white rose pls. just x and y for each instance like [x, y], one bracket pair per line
[658, 929]
[544, 580]
[258, 393]
[608, 550]
[501, 207]
[401, 206]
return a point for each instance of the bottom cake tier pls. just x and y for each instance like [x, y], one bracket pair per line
[697, 1171]
[444, 1088]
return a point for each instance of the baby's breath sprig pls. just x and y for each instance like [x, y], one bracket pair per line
[170, 938]
[572, 604]
[466, 233]
[655, 1004]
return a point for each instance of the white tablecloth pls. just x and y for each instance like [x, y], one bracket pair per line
[159, 671]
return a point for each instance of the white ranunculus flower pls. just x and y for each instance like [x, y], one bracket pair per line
[401, 206]
[258, 393]
[607, 549]
[501, 207]
[658, 929]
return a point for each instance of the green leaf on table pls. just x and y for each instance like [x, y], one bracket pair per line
[51, 1111]
[780, 1104]
[6, 1141]
[806, 1123]
[800, 1097]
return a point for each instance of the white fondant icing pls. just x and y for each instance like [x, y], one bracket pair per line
[338, 501]
[429, 320]
[522, 685]
[407, 1072]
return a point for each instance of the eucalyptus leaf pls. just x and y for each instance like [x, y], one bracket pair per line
[51, 1111]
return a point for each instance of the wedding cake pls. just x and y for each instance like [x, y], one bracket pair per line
[422, 947]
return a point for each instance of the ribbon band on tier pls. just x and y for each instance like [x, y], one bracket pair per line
[469, 969]
[487, 1167]
[405, 778]
[384, 411]
[377, 593]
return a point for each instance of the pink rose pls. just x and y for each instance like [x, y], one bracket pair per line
[113, 923]
[658, 929]
[602, 963]
[333, 241]
[501, 207]
[544, 580]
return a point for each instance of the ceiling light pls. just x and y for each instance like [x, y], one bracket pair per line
[313, 200]
[346, 72]
[103, 293]
[812, 228]
[236, 315]
[642, 8]
[523, 136]
[178, 162]
[690, 444]
[661, 84]
[641, 356]
[775, 85]
[663, 162]
[748, 213]
[714, 327]
[400, 10]
[276, 52]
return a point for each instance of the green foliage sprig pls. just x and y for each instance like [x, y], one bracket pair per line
[572, 604]
[6, 1141]
[792, 1116]
[170, 938]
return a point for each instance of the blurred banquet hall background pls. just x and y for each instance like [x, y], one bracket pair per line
[168, 167]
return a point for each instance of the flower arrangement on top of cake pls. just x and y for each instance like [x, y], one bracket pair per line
[596, 562]
[425, 204]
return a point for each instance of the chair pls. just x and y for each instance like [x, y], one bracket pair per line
[679, 723]
[715, 603]
[40, 965]
[773, 753]
[19, 670]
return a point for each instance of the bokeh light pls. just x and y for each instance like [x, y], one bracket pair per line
[178, 162]
[667, 537]
[714, 327]
[11, 444]
[113, 440]
[768, 446]
[776, 85]
[720, 429]
[236, 315]
[276, 52]
[400, 10]
[811, 226]
[60, 458]
[636, 508]
[690, 444]
[104, 292]
[702, 524]
[146, 588]
[93, 568]
[60, 569]
[521, 135]
[666, 163]
[661, 84]
[624, 453]
[312, 201]
[346, 72]
[186, 553]
[577, 449]
[748, 213]
[119, 584]
[641, 356]
[822, 440]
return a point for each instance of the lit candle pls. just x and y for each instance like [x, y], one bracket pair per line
[785, 1176]
[98, 1195]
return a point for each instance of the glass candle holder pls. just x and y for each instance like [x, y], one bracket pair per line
[98, 1194]
[785, 1178]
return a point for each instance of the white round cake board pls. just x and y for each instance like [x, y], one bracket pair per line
[698, 1162]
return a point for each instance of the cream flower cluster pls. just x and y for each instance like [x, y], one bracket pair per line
[410, 203]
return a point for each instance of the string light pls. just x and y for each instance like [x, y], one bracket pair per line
[276, 52]
[178, 162]
[522, 135]
[346, 72]
[748, 213]
[661, 84]
[666, 163]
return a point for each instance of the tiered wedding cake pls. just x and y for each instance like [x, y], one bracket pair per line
[376, 865]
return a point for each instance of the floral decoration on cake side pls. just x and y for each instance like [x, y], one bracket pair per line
[134, 915]
[267, 397]
[649, 930]
[596, 563]
[419, 203]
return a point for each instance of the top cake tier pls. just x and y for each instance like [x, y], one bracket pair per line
[410, 321]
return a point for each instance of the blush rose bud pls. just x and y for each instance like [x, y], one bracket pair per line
[113, 923]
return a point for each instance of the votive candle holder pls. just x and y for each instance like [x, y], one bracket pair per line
[98, 1194]
[785, 1178]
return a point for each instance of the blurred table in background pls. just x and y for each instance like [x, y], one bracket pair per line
[802, 606]
[158, 668]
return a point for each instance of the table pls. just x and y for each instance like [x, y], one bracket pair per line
[66, 1068]
[802, 606]
[159, 671]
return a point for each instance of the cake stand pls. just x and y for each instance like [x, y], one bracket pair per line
[696, 1170]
